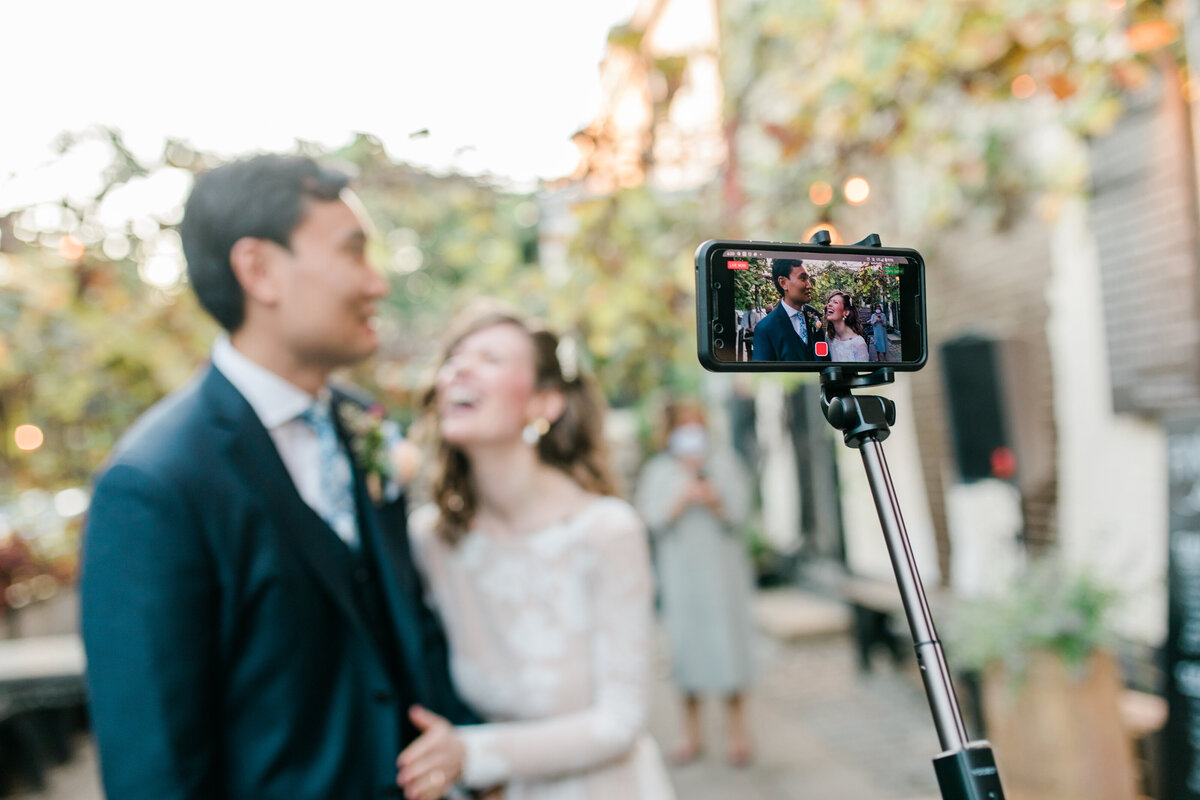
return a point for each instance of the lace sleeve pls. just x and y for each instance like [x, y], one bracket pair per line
[621, 595]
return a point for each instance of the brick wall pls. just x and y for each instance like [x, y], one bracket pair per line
[980, 281]
[1143, 214]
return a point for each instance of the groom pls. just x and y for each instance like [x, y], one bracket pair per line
[253, 622]
[788, 333]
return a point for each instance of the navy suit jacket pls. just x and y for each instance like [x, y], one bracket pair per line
[227, 657]
[775, 339]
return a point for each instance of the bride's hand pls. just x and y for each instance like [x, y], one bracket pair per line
[430, 766]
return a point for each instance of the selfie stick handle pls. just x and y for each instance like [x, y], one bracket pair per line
[965, 770]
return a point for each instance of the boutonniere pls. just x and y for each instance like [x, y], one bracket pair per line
[373, 438]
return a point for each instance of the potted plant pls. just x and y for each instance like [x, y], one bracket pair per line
[1050, 685]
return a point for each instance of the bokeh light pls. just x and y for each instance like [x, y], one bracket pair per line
[1150, 35]
[71, 502]
[70, 248]
[163, 265]
[161, 272]
[857, 190]
[116, 246]
[834, 236]
[408, 258]
[28, 437]
[821, 193]
[1023, 86]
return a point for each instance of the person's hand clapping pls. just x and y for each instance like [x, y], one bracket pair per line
[430, 766]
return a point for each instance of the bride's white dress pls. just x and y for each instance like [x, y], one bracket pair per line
[551, 642]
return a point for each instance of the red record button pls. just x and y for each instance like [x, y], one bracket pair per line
[821, 349]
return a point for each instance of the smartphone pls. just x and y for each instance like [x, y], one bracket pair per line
[782, 307]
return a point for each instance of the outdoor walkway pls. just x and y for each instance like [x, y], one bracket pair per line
[823, 730]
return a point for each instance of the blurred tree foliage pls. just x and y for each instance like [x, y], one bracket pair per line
[98, 322]
[752, 286]
[628, 288]
[88, 342]
[445, 241]
[865, 286]
[937, 101]
[97, 326]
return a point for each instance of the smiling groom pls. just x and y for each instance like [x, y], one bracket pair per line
[253, 623]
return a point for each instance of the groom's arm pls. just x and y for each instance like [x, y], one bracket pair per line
[148, 623]
[764, 344]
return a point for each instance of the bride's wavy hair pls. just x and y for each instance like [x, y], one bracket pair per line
[574, 443]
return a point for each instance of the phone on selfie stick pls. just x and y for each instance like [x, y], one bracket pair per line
[751, 296]
[855, 314]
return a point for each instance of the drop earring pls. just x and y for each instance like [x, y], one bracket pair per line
[534, 431]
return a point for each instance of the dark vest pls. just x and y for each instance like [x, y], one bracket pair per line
[368, 594]
[363, 566]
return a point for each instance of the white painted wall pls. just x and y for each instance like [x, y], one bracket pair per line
[866, 549]
[1112, 469]
[984, 520]
[780, 481]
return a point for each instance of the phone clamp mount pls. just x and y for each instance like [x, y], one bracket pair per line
[965, 770]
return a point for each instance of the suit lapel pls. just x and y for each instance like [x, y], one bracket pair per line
[253, 453]
[388, 544]
[383, 535]
[809, 351]
[794, 343]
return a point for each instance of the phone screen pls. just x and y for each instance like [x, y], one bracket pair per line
[813, 307]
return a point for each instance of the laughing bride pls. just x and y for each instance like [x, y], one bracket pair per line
[541, 578]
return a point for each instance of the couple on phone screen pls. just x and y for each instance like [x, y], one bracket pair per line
[795, 331]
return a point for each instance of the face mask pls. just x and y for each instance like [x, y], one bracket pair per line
[688, 441]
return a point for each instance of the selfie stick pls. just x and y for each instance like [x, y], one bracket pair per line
[965, 770]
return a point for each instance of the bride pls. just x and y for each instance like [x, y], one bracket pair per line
[541, 578]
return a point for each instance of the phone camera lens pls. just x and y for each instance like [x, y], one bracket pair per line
[719, 344]
[716, 284]
[718, 327]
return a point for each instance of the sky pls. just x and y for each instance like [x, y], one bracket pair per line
[499, 86]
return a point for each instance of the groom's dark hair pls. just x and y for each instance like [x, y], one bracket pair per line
[782, 268]
[261, 197]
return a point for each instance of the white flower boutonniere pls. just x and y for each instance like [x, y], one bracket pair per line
[374, 442]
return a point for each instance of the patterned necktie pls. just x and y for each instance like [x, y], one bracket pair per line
[336, 478]
[801, 328]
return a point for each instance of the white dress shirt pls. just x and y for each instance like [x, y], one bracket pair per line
[279, 404]
[797, 318]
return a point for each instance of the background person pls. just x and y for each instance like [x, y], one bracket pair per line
[695, 499]
[843, 329]
[879, 336]
[541, 576]
[753, 317]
